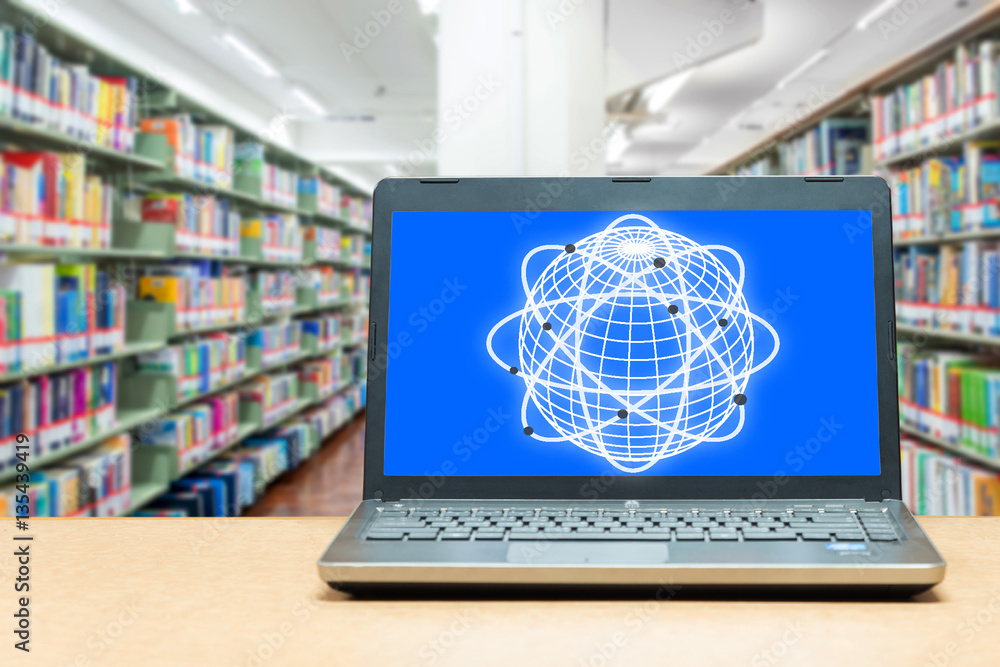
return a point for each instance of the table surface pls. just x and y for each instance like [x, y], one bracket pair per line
[246, 592]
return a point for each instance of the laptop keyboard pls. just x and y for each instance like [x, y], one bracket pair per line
[805, 524]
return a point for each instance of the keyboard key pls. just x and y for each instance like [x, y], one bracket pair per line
[713, 535]
[480, 535]
[849, 535]
[456, 535]
[492, 529]
[815, 535]
[690, 535]
[422, 534]
[883, 537]
[767, 536]
[385, 535]
[590, 531]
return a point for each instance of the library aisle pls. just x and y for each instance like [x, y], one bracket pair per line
[329, 484]
[186, 210]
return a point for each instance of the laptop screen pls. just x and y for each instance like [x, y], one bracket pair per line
[631, 343]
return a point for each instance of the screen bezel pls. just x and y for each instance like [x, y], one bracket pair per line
[525, 196]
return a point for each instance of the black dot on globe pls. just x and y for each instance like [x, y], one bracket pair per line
[547, 326]
[570, 247]
[739, 399]
[513, 370]
[723, 322]
[528, 430]
[623, 413]
[659, 262]
[672, 309]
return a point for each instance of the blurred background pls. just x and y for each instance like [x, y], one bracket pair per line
[185, 224]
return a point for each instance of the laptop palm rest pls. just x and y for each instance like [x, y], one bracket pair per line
[586, 552]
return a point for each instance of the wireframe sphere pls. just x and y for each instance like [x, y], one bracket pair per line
[635, 344]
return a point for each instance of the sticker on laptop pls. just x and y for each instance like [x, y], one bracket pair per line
[846, 546]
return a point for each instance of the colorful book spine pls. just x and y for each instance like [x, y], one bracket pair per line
[57, 411]
[203, 293]
[276, 289]
[939, 484]
[199, 366]
[950, 287]
[38, 88]
[279, 186]
[279, 235]
[276, 343]
[320, 334]
[47, 199]
[958, 96]
[275, 395]
[196, 431]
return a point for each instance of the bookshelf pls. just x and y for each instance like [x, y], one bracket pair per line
[932, 117]
[133, 167]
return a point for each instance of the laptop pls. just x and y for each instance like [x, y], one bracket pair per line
[632, 382]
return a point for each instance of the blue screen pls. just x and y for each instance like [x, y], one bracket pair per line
[631, 343]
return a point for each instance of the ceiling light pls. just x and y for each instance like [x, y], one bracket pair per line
[429, 6]
[659, 94]
[257, 60]
[810, 62]
[878, 11]
[185, 7]
[309, 101]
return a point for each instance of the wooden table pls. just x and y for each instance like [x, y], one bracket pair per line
[245, 592]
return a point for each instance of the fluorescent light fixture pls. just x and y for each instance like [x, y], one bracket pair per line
[659, 94]
[878, 11]
[185, 7]
[810, 62]
[257, 60]
[429, 6]
[309, 101]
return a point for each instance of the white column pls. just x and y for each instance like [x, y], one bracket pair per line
[520, 88]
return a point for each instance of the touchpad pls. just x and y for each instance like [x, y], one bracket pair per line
[587, 552]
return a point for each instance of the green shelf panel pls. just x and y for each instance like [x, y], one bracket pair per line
[154, 465]
[128, 351]
[143, 237]
[126, 420]
[145, 493]
[32, 136]
[45, 252]
[246, 429]
[951, 448]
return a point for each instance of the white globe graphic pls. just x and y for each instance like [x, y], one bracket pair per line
[635, 344]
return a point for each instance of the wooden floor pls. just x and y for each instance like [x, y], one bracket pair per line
[328, 484]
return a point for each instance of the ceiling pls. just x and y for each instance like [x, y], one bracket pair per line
[378, 94]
